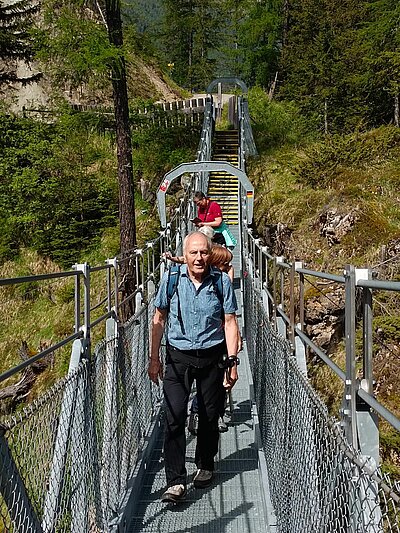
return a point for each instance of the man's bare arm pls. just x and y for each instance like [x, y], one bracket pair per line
[232, 341]
[155, 370]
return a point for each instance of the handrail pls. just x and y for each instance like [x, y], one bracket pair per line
[40, 355]
[272, 281]
[379, 284]
[322, 275]
[322, 355]
[37, 277]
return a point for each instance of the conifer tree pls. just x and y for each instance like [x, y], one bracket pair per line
[259, 40]
[83, 45]
[380, 42]
[191, 34]
[15, 39]
[322, 64]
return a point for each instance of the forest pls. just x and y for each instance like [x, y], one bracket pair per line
[327, 69]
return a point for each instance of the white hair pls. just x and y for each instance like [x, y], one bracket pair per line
[185, 240]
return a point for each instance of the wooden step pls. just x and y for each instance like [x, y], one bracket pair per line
[224, 187]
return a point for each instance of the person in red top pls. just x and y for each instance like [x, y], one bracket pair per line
[210, 214]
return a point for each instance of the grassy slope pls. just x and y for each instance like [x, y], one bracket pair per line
[356, 174]
[42, 313]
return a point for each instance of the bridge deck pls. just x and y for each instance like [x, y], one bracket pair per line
[233, 503]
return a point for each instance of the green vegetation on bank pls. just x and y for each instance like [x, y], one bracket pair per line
[58, 187]
[300, 178]
[59, 206]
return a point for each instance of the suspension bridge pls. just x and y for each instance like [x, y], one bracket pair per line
[86, 455]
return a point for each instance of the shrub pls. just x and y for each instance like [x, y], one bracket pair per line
[274, 122]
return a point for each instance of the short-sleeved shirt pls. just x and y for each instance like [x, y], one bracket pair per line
[210, 212]
[199, 324]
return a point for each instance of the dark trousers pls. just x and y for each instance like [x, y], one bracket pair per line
[178, 380]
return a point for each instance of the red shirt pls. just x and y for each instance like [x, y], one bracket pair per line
[210, 212]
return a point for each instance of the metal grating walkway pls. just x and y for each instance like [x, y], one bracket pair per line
[233, 503]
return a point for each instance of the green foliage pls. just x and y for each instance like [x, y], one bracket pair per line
[66, 292]
[274, 122]
[323, 62]
[191, 32]
[74, 46]
[57, 190]
[388, 327]
[156, 150]
[15, 40]
[258, 36]
[324, 161]
[379, 40]
[340, 61]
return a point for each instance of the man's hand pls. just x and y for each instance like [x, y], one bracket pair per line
[230, 377]
[155, 370]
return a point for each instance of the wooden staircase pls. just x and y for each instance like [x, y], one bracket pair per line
[223, 187]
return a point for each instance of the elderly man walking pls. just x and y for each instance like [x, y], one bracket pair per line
[201, 329]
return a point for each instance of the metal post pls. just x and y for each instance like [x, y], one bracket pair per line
[301, 297]
[264, 285]
[260, 267]
[61, 443]
[139, 266]
[274, 267]
[367, 334]
[291, 304]
[113, 263]
[367, 420]
[79, 467]
[77, 302]
[109, 486]
[85, 269]
[109, 290]
[350, 390]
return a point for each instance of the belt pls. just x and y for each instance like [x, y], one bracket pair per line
[197, 358]
[217, 349]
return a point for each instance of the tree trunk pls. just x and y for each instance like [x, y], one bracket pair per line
[272, 87]
[124, 156]
[285, 24]
[396, 110]
[326, 117]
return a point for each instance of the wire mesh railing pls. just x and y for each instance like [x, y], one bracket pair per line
[318, 482]
[68, 457]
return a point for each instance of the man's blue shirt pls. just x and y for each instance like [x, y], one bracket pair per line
[199, 324]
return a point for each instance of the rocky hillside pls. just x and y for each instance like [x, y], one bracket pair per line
[145, 79]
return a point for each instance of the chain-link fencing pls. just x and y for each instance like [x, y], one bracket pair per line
[66, 459]
[318, 482]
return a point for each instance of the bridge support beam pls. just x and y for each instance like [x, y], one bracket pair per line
[56, 480]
